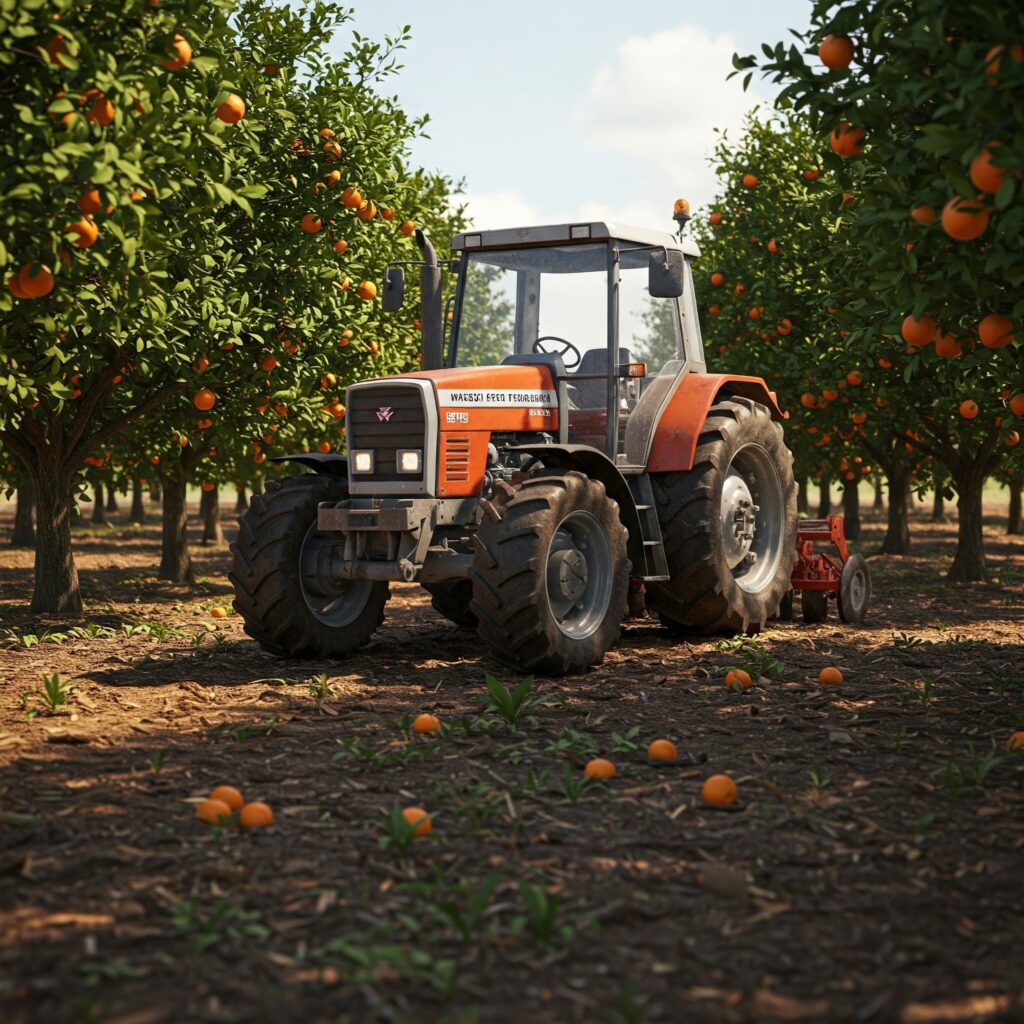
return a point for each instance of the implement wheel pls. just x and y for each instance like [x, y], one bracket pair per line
[854, 590]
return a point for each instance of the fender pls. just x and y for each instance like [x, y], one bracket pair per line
[326, 465]
[675, 437]
[594, 463]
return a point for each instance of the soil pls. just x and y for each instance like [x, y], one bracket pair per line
[870, 870]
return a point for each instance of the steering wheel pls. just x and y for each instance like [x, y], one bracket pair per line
[567, 348]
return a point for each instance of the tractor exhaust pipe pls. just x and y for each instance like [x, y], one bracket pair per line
[431, 314]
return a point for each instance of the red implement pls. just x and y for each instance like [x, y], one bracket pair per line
[820, 573]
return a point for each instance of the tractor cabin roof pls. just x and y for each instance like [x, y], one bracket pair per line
[568, 234]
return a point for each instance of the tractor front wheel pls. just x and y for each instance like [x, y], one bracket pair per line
[551, 576]
[286, 598]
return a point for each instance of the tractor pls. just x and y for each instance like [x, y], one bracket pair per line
[534, 476]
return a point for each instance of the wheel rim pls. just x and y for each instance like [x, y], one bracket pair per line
[858, 591]
[578, 575]
[334, 604]
[752, 517]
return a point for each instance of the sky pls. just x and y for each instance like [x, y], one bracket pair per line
[558, 110]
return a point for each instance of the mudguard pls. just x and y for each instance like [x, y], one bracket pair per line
[326, 465]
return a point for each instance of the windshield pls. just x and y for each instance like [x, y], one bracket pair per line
[516, 297]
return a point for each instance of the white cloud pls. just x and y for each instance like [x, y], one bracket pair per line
[504, 209]
[660, 103]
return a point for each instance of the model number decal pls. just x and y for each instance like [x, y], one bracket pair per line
[456, 417]
[505, 398]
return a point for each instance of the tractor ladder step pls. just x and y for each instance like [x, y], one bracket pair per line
[655, 563]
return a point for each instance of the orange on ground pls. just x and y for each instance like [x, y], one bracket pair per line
[366, 290]
[232, 110]
[255, 815]
[964, 219]
[1016, 741]
[830, 676]
[213, 811]
[218, 612]
[182, 51]
[663, 750]
[919, 332]
[35, 280]
[426, 723]
[1017, 404]
[228, 795]
[407, 228]
[923, 214]
[749, 181]
[419, 820]
[204, 399]
[968, 409]
[846, 140]
[599, 768]
[719, 791]
[996, 331]
[311, 223]
[738, 679]
[836, 52]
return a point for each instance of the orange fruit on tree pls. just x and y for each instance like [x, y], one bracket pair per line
[1016, 741]
[829, 394]
[90, 201]
[35, 280]
[854, 378]
[919, 332]
[86, 230]
[836, 52]
[715, 218]
[785, 327]
[859, 418]
[964, 219]
[202, 364]
[351, 198]
[1011, 439]
[846, 140]
[994, 59]
[830, 676]
[426, 723]
[996, 331]
[719, 791]
[739, 289]
[387, 213]
[663, 750]
[204, 400]
[56, 46]
[717, 279]
[228, 795]
[367, 210]
[407, 227]
[232, 110]
[213, 812]
[985, 175]
[366, 290]
[755, 312]
[749, 181]
[419, 820]
[808, 401]
[923, 214]
[311, 223]
[1017, 404]
[255, 815]
[267, 364]
[101, 110]
[948, 346]
[14, 284]
[738, 679]
[332, 178]
[599, 768]
[182, 53]
[773, 246]
[811, 174]
[340, 245]
[323, 447]
[969, 409]
[714, 310]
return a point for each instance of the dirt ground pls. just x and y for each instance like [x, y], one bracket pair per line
[870, 871]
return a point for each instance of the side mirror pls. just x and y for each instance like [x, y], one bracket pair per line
[394, 289]
[665, 274]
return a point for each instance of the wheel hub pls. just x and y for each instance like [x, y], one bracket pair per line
[738, 519]
[568, 574]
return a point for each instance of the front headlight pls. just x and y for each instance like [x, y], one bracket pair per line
[362, 462]
[410, 460]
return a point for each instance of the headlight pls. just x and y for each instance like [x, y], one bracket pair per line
[362, 462]
[410, 460]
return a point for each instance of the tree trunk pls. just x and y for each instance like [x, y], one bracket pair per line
[825, 499]
[242, 503]
[210, 511]
[56, 577]
[138, 505]
[897, 533]
[175, 561]
[938, 507]
[969, 562]
[1013, 521]
[879, 500]
[24, 533]
[155, 494]
[851, 510]
[99, 512]
[111, 499]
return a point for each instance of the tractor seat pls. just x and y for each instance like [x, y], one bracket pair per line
[593, 394]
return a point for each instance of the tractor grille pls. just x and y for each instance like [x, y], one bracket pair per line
[405, 428]
[456, 458]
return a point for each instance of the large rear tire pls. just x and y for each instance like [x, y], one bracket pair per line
[738, 501]
[551, 577]
[286, 601]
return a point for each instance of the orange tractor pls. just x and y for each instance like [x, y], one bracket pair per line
[537, 478]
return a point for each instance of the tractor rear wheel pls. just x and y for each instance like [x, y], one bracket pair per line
[451, 600]
[286, 599]
[729, 525]
[550, 578]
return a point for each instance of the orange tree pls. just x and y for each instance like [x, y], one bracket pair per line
[916, 106]
[160, 208]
